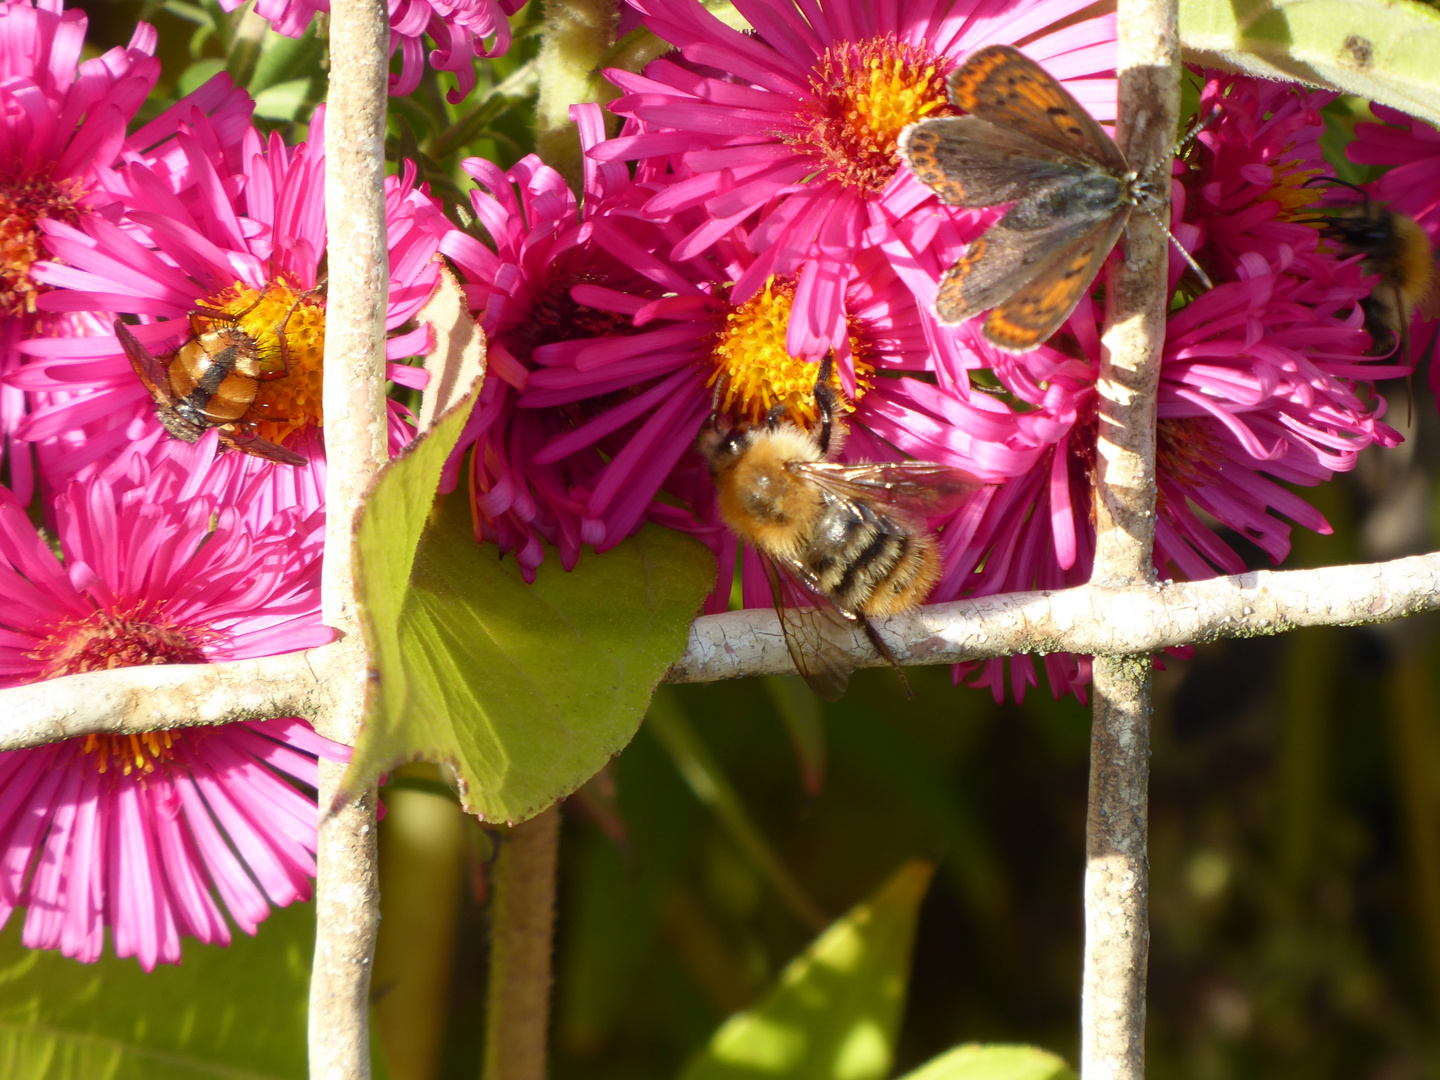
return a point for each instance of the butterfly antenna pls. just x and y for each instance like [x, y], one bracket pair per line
[1204, 277]
[1197, 127]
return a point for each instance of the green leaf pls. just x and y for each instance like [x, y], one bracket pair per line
[527, 690]
[284, 59]
[198, 73]
[835, 1010]
[975, 1062]
[234, 1012]
[524, 690]
[283, 101]
[1383, 50]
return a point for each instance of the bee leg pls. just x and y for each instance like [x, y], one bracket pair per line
[885, 653]
[825, 402]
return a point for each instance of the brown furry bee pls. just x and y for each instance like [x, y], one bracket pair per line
[851, 536]
[212, 381]
[1397, 249]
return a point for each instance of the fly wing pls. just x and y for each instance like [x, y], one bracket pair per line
[818, 660]
[150, 371]
[1004, 86]
[969, 162]
[248, 442]
[920, 488]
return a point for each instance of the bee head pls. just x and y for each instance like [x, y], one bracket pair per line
[721, 441]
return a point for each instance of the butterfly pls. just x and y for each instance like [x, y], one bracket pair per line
[1026, 141]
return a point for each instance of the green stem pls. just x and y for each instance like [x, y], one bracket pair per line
[522, 922]
[578, 35]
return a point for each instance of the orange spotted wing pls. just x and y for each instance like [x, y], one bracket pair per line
[1029, 142]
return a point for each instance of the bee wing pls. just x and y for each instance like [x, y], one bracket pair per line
[149, 369]
[922, 488]
[819, 661]
[249, 443]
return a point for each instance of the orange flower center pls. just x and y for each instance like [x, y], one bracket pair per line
[24, 202]
[757, 372]
[865, 94]
[108, 640]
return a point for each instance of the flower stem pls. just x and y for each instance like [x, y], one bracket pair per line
[578, 35]
[347, 908]
[1117, 934]
[522, 920]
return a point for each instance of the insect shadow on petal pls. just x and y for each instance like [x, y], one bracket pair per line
[1027, 141]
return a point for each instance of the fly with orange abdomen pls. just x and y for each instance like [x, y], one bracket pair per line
[212, 380]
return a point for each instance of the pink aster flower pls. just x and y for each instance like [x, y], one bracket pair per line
[791, 131]
[61, 120]
[154, 836]
[1263, 379]
[1247, 170]
[520, 289]
[458, 28]
[248, 244]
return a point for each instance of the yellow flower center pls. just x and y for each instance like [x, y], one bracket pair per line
[277, 312]
[24, 202]
[865, 94]
[756, 372]
[1183, 446]
[132, 753]
[108, 640]
[1289, 190]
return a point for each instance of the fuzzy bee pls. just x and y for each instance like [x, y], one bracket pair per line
[212, 380]
[1396, 249]
[852, 538]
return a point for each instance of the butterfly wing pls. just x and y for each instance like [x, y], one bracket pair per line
[150, 370]
[819, 661]
[247, 442]
[1002, 85]
[919, 488]
[1001, 261]
[1026, 319]
[969, 162]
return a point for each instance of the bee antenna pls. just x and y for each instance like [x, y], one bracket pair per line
[1337, 182]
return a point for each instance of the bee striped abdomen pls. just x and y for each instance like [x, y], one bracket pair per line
[868, 564]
